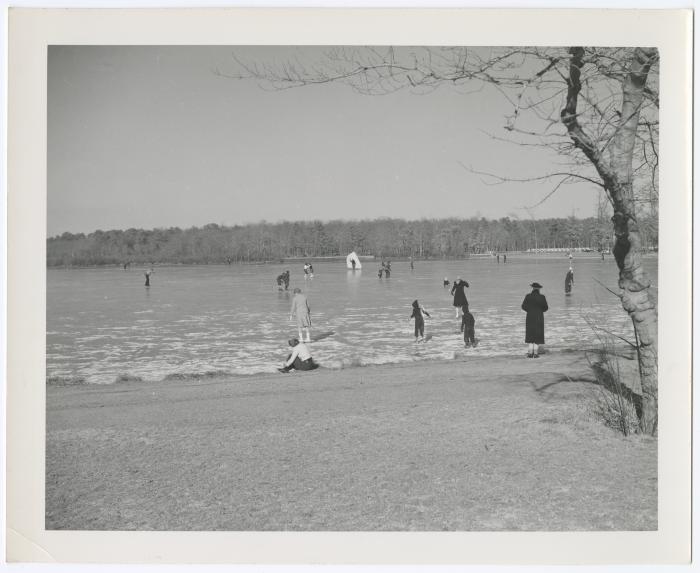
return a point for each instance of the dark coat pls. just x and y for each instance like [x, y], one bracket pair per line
[418, 313]
[535, 305]
[460, 299]
[467, 322]
[568, 281]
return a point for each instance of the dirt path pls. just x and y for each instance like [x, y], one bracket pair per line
[430, 446]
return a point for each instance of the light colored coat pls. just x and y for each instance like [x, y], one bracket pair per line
[300, 308]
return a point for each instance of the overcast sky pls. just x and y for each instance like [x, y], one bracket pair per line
[151, 137]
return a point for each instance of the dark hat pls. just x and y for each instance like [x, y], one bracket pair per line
[293, 341]
[536, 285]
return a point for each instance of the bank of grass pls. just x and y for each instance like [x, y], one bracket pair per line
[616, 398]
[473, 444]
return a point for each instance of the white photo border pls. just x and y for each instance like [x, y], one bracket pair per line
[31, 31]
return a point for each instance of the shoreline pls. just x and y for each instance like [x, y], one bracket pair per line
[60, 381]
[444, 446]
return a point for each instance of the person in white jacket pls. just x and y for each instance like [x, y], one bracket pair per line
[302, 310]
[299, 359]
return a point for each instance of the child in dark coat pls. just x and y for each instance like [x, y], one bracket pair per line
[418, 313]
[468, 326]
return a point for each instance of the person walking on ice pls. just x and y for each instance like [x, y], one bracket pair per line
[417, 314]
[460, 299]
[535, 305]
[569, 280]
[300, 308]
[468, 327]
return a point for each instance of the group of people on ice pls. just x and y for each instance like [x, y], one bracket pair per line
[534, 304]
[461, 305]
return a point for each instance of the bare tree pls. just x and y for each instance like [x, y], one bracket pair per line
[597, 108]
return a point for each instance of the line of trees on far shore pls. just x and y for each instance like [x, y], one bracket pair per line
[257, 242]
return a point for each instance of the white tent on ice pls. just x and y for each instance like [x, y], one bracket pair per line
[353, 257]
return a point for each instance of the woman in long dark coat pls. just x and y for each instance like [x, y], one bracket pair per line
[535, 304]
[460, 299]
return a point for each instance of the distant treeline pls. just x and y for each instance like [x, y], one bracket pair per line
[427, 238]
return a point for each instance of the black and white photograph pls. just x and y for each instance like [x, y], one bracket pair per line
[351, 288]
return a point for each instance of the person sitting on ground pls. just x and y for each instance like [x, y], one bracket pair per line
[300, 358]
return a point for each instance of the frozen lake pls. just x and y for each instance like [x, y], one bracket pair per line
[103, 324]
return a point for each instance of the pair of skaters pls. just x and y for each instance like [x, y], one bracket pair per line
[283, 279]
[467, 323]
[384, 268]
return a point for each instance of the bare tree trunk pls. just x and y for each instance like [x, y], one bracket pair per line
[616, 172]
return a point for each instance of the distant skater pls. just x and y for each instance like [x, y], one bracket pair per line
[228, 260]
[353, 263]
[411, 262]
[468, 327]
[535, 305]
[460, 299]
[498, 259]
[148, 274]
[283, 279]
[417, 314]
[602, 254]
[445, 282]
[308, 271]
[380, 272]
[569, 280]
[504, 258]
[302, 311]
[387, 269]
[299, 359]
